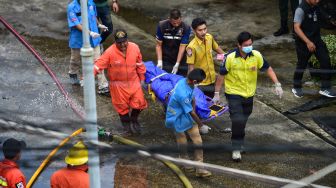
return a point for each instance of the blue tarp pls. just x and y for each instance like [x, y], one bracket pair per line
[162, 85]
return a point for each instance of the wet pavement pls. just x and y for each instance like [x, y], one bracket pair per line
[279, 144]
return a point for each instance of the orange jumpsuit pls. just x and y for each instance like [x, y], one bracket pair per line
[10, 175]
[71, 177]
[125, 74]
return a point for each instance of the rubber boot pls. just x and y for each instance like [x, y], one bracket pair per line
[126, 123]
[283, 30]
[135, 126]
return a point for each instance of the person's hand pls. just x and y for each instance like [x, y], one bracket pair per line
[278, 90]
[94, 34]
[102, 27]
[216, 98]
[115, 7]
[175, 68]
[311, 46]
[204, 129]
[159, 64]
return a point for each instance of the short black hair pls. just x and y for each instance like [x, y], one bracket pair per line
[244, 36]
[11, 147]
[197, 22]
[197, 74]
[175, 14]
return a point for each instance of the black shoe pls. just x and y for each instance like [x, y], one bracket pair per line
[297, 92]
[281, 31]
[74, 79]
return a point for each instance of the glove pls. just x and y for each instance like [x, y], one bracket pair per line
[94, 34]
[278, 90]
[159, 64]
[204, 129]
[175, 68]
[216, 97]
[102, 27]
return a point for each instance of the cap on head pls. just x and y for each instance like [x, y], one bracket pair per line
[120, 35]
[77, 155]
[11, 147]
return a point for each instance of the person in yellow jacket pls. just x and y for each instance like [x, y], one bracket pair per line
[239, 73]
[199, 55]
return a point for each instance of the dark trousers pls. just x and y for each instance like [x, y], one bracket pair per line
[303, 56]
[240, 109]
[283, 8]
[104, 14]
[208, 90]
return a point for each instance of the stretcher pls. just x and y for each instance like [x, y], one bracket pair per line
[160, 84]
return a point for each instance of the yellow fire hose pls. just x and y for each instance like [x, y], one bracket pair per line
[51, 154]
[169, 164]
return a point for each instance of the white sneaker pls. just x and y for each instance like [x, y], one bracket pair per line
[327, 93]
[236, 156]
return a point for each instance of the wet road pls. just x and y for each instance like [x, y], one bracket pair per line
[29, 96]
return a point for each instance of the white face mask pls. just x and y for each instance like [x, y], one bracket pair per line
[196, 85]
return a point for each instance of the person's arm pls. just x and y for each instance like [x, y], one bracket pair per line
[183, 44]
[271, 74]
[190, 68]
[219, 50]
[158, 47]
[216, 47]
[264, 66]
[298, 19]
[158, 50]
[140, 66]
[310, 45]
[195, 116]
[180, 53]
[223, 70]
[219, 83]
[179, 57]
[191, 58]
[79, 27]
[115, 6]
[102, 62]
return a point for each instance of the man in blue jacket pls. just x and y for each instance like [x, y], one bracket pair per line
[181, 115]
[76, 41]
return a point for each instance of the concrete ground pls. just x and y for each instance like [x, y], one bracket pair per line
[277, 143]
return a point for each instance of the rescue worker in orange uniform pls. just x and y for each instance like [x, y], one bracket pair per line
[126, 72]
[10, 174]
[75, 175]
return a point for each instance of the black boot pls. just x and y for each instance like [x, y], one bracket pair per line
[281, 31]
[135, 126]
[126, 123]
[74, 79]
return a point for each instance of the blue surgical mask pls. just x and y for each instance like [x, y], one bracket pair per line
[247, 49]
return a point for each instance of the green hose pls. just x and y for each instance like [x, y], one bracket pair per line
[169, 164]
